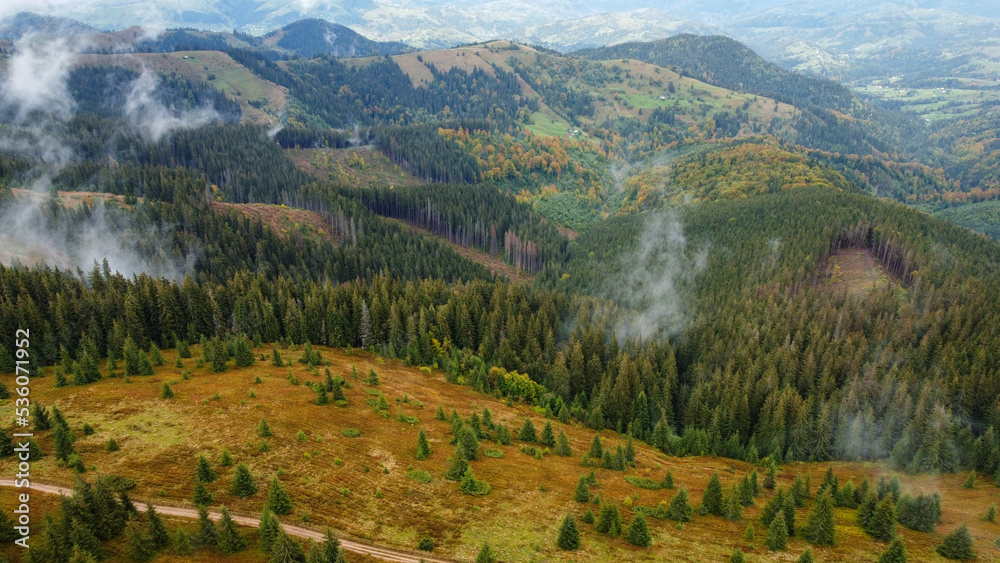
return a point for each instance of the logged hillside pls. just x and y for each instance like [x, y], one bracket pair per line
[345, 464]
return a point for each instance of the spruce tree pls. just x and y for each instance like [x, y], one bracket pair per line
[182, 542]
[668, 480]
[331, 547]
[596, 451]
[40, 418]
[777, 534]
[820, 526]
[957, 545]
[166, 392]
[736, 556]
[457, 468]
[243, 484]
[711, 500]
[610, 521]
[203, 472]
[83, 537]
[569, 536]
[582, 492]
[321, 397]
[230, 539]
[807, 556]
[225, 458]
[202, 496]
[638, 532]
[527, 433]
[112, 445]
[882, 524]
[278, 500]
[139, 547]
[562, 445]
[423, 447]
[6, 444]
[263, 429]
[895, 554]
[7, 532]
[548, 435]
[207, 535]
[679, 509]
[158, 534]
[485, 555]
[268, 531]
[286, 550]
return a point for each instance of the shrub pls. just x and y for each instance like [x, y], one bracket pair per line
[419, 475]
[351, 432]
[493, 452]
[425, 544]
[642, 482]
[112, 445]
[472, 486]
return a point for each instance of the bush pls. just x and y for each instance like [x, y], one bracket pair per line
[642, 482]
[472, 486]
[351, 432]
[426, 544]
[493, 452]
[419, 475]
[112, 445]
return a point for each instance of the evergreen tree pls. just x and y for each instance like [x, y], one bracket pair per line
[158, 534]
[548, 435]
[668, 480]
[230, 539]
[243, 484]
[569, 536]
[745, 491]
[777, 534]
[957, 545]
[423, 447]
[895, 554]
[331, 547]
[820, 526]
[112, 445]
[63, 439]
[182, 542]
[582, 492]
[596, 451]
[321, 397]
[284, 549]
[6, 444]
[485, 555]
[203, 472]
[882, 524]
[278, 500]
[807, 556]
[468, 444]
[207, 535]
[139, 546]
[638, 532]
[629, 450]
[457, 468]
[79, 556]
[40, 418]
[225, 459]
[679, 509]
[562, 445]
[81, 536]
[711, 500]
[166, 392]
[202, 496]
[609, 522]
[263, 430]
[737, 557]
[268, 531]
[527, 433]
[7, 532]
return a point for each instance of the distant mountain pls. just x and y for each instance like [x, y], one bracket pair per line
[21, 24]
[646, 24]
[725, 62]
[314, 36]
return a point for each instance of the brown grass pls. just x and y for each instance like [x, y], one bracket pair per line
[72, 199]
[161, 440]
[854, 271]
[285, 221]
[360, 166]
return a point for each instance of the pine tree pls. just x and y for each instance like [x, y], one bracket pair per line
[485, 555]
[63, 439]
[882, 524]
[284, 549]
[468, 444]
[40, 418]
[820, 526]
[158, 534]
[777, 534]
[278, 500]
[596, 451]
[207, 535]
[7, 532]
[182, 542]
[679, 509]
[83, 537]
[423, 447]
[112, 445]
[225, 459]
[711, 501]
[562, 445]
[569, 536]
[263, 430]
[331, 547]
[668, 480]
[166, 392]
[203, 472]
[527, 433]
[736, 556]
[582, 492]
[895, 554]
[139, 546]
[268, 531]
[457, 468]
[807, 556]
[6, 444]
[548, 435]
[745, 491]
[230, 540]
[243, 484]
[629, 450]
[957, 545]
[321, 397]
[638, 532]
[372, 377]
[610, 521]
[202, 496]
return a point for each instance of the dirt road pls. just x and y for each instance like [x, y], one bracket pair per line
[253, 521]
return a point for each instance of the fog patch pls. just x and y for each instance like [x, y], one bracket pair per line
[153, 118]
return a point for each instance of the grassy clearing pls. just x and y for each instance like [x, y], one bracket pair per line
[360, 166]
[544, 124]
[371, 493]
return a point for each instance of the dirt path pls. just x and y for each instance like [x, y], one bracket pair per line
[253, 522]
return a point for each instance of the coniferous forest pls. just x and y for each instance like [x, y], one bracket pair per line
[750, 275]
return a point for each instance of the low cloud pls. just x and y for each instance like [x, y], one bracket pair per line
[153, 118]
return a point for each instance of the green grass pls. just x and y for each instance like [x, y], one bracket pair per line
[542, 124]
